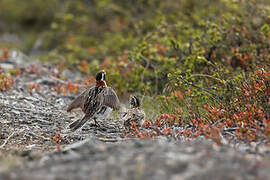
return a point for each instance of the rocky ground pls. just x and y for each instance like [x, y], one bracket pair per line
[33, 144]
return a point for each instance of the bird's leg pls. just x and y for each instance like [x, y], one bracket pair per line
[96, 124]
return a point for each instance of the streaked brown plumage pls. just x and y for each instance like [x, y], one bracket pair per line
[96, 101]
[134, 113]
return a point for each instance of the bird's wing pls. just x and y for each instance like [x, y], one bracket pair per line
[79, 101]
[110, 98]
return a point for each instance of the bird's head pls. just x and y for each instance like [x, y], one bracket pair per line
[100, 78]
[134, 102]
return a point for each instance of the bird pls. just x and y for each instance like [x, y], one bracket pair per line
[96, 101]
[134, 113]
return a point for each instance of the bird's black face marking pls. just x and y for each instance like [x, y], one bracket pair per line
[134, 101]
[100, 76]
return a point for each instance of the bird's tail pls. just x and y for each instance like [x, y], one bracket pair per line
[78, 123]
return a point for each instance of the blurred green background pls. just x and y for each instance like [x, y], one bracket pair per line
[148, 47]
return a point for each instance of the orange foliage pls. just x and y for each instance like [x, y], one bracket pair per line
[5, 54]
[5, 82]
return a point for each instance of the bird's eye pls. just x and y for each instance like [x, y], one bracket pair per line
[124, 114]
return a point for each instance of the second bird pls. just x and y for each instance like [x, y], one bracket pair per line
[134, 113]
[96, 102]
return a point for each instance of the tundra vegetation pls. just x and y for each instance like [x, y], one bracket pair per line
[201, 68]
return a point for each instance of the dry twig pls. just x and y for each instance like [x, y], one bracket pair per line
[3, 145]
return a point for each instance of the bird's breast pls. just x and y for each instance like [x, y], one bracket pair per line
[101, 83]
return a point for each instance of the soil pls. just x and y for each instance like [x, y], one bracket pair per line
[34, 143]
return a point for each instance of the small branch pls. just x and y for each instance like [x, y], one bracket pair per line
[227, 132]
[206, 75]
[223, 139]
[3, 145]
[208, 56]
[107, 140]
[206, 90]
[215, 123]
[27, 102]
[146, 64]
[147, 36]
[44, 138]
[230, 129]
[190, 43]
